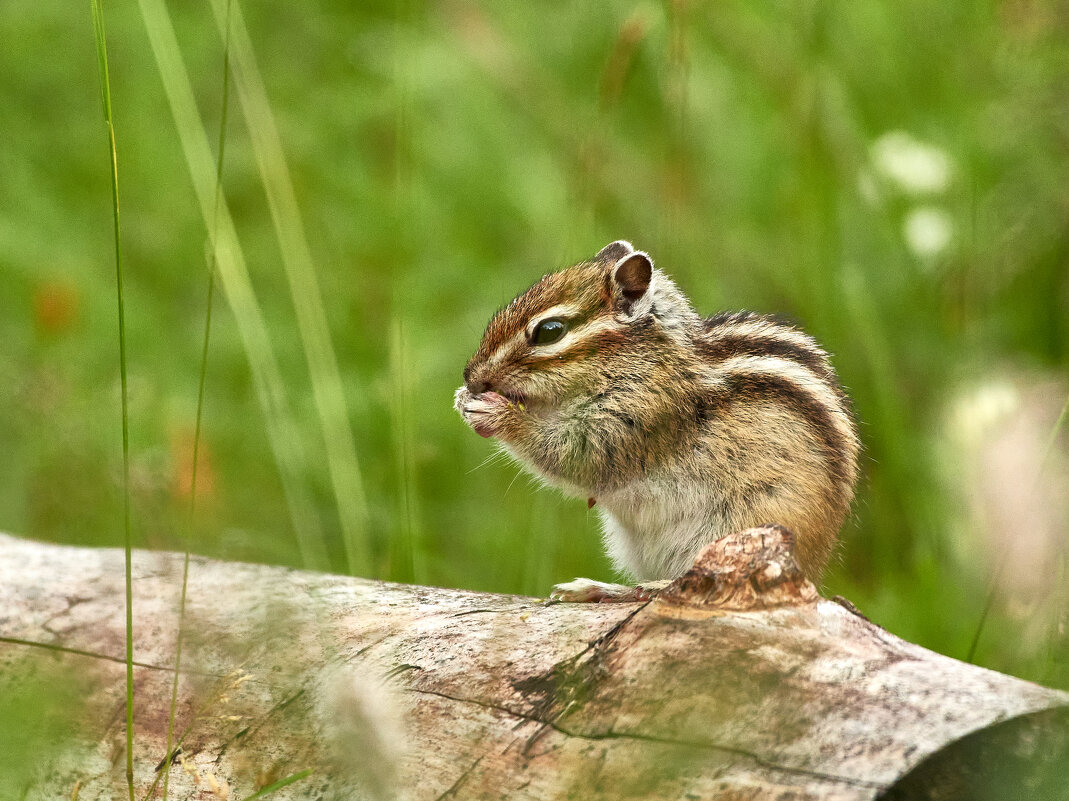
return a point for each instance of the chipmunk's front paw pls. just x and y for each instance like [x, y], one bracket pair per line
[481, 412]
[584, 590]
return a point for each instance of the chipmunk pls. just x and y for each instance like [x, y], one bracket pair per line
[603, 381]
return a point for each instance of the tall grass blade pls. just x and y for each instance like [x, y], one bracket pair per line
[325, 377]
[285, 439]
[406, 564]
[213, 234]
[1054, 432]
[105, 94]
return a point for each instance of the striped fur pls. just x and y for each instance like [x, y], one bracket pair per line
[683, 429]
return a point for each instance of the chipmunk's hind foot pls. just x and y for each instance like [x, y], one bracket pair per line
[584, 590]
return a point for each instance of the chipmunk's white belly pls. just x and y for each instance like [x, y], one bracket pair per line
[655, 531]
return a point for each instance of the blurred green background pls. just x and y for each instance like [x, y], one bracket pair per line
[892, 176]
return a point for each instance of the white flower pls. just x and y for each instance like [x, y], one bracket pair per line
[915, 167]
[928, 230]
[976, 414]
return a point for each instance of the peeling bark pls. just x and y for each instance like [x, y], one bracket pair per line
[738, 681]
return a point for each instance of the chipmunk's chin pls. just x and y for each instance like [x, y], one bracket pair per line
[480, 424]
[483, 430]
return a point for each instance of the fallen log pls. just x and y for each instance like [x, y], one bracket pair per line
[737, 682]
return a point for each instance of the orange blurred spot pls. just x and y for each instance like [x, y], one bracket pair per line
[182, 459]
[55, 306]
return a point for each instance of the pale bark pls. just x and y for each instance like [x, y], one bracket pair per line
[737, 682]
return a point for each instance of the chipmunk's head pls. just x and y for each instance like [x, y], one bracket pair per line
[562, 337]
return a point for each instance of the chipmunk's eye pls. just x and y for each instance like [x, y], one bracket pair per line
[549, 331]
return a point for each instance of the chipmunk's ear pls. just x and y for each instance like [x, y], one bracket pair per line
[632, 274]
[614, 251]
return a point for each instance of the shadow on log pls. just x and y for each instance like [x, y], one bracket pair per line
[737, 682]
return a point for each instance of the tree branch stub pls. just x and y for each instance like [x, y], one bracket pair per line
[747, 571]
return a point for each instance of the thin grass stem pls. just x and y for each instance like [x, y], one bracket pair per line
[989, 601]
[296, 777]
[1053, 438]
[198, 714]
[105, 94]
[214, 238]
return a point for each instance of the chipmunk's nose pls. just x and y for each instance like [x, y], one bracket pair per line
[477, 386]
[475, 379]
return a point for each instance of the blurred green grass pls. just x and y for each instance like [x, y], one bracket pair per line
[443, 157]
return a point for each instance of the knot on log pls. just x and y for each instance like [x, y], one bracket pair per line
[748, 570]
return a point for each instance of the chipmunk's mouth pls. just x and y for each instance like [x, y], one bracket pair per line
[513, 396]
[533, 404]
[494, 394]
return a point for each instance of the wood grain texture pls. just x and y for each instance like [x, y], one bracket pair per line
[738, 682]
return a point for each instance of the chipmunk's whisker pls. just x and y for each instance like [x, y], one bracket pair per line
[495, 456]
[514, 478]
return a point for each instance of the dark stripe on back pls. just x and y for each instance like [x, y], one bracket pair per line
[731, 345]
[736, 317]
[733, 318]
[751, 386]
[716, 346]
